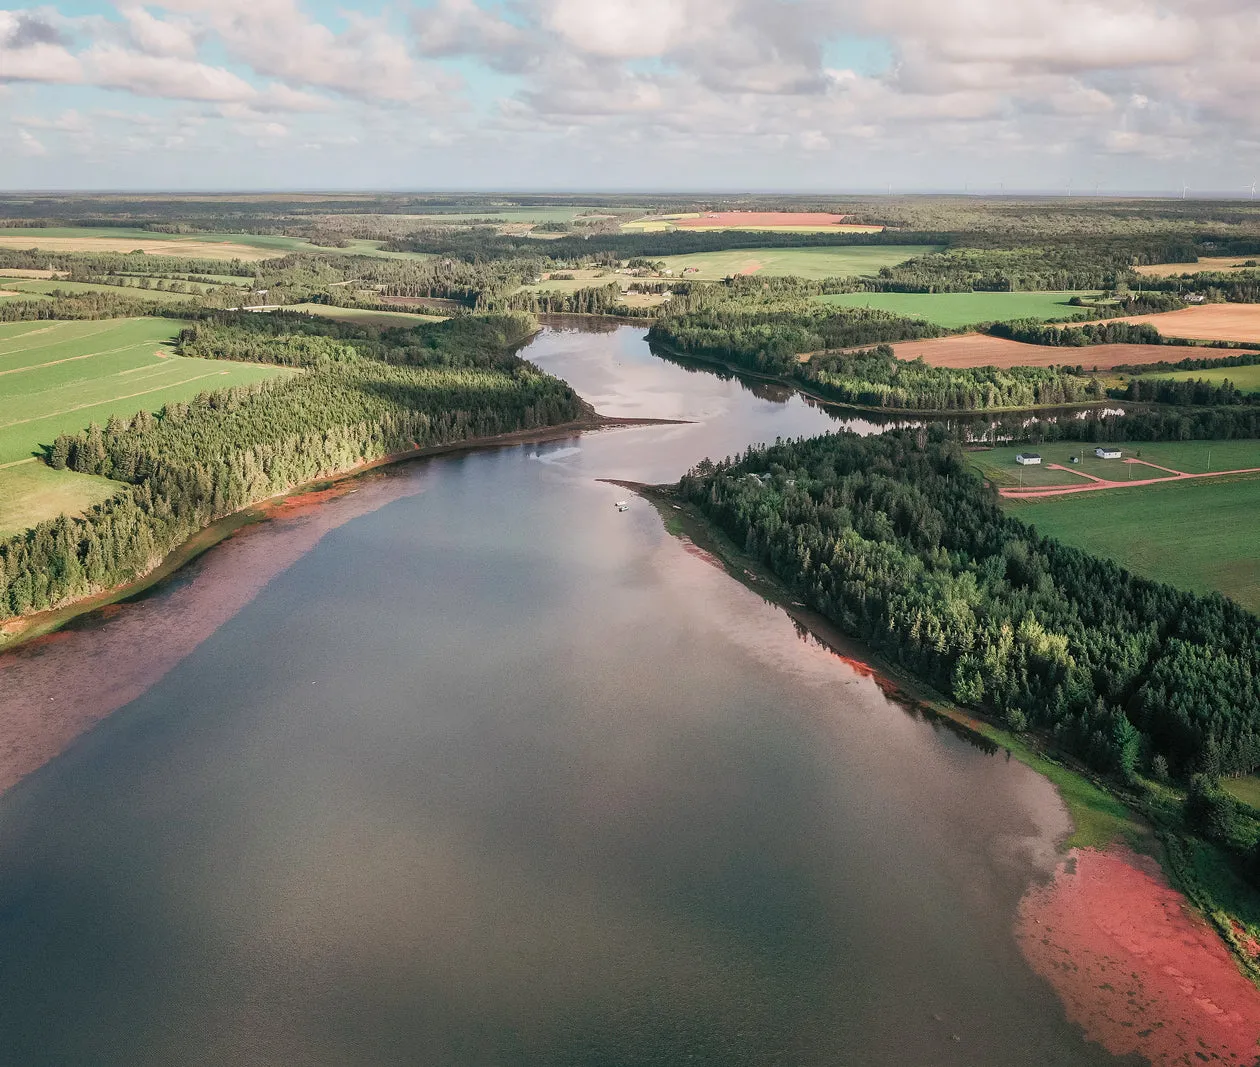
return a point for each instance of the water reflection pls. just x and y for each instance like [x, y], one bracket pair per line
[496, 774]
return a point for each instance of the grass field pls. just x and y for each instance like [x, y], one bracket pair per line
[797, 262]
[1190, 457]
[243, 246]
[56, 377]
[1197, 535]
[1247, 379]
[953, 310]
[365, 315]
[32, 492]
[29, 288]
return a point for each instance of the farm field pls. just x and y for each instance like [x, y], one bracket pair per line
[1190, 457]
[1239, 323]
[582, 279]
[242, 246]
[797, 262]
[367, 316]
[32, 492]
[983, 350]
[953, 310]
[775, 221]
[1246, 379]
[57, 377]
[29, 289]
[1196, 535]
[1205, 263]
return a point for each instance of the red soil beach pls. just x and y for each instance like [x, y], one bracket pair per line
[1135, 967]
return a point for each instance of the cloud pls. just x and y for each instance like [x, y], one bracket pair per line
[160, 37]
[33, 49]
[28, 145]
[159, 76]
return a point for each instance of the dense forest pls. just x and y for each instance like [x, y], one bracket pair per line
[362, 395]
[895, 540]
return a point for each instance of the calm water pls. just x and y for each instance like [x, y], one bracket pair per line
[494, 774]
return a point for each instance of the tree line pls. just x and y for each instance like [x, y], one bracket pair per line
[189, 464]
[894, 539]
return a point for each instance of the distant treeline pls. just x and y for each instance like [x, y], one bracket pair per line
[900, 544]
[1032, 332]
[193, 463]
[1149, 424]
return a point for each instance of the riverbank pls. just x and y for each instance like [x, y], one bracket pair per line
[1067, 929]
[821, 398]
[16, 631]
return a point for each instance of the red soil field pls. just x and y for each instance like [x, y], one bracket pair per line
[981, 350]
[719, 219]
[1135, 968]
[1207, 322]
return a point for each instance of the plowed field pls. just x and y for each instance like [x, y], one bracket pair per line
[1207, 322]
[981, 350]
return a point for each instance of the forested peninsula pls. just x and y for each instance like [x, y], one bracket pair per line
[358, 395]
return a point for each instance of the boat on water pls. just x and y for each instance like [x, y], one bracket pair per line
[622, 506]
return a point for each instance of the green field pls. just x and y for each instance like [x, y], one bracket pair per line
[797, 262]
[56, 377]
[365, 315]
[1246, 379]
[32, 492]
[1190, 457]
[1198, 535]
[954, 310]
[28, 289]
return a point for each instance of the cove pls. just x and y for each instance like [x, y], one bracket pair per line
[487, 772]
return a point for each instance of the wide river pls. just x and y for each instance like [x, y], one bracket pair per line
[470, 768]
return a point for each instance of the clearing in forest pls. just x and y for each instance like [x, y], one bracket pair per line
[1205, 263]
[366, 316]
[984, 350]
[954, 310]
[57, 377]
[1239, 323]
[1196, 534]
[1245, 379]
[813, 263]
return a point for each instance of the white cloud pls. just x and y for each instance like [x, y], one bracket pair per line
[28, 145]
[161, 76]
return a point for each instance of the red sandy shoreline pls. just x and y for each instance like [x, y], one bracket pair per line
[1135, 967]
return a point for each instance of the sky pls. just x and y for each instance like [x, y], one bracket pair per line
[779, 95]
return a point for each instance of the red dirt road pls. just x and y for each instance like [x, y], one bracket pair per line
[1135, 968]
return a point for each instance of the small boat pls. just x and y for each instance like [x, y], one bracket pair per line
[622, 506]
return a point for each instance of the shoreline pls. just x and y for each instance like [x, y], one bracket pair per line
[1110, 829]
[797, 387]
[16, 631]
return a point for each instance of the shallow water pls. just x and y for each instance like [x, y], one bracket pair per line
[495, 774]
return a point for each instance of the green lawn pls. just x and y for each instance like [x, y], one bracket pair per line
[1198, 535]
[797, 262]
[32, 492]
[1247, 379]
[365, 315]
[953, 310]
[1190, 457]
[56, 377]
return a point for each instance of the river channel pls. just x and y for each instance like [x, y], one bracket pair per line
[477, 770]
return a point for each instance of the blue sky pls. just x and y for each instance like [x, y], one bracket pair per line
[831, 95]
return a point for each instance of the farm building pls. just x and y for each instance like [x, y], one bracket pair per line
[1107, 452]
[1028, 459]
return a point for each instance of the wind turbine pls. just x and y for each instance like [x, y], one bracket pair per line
[1184, 189]
[1253, 188]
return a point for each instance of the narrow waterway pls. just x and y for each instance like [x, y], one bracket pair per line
[472, 769]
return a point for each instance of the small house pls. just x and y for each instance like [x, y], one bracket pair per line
[1028, 459]
[1107, 452]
